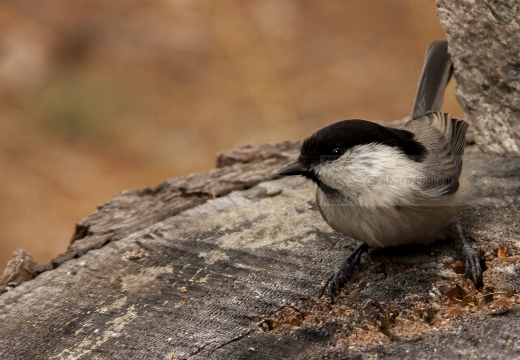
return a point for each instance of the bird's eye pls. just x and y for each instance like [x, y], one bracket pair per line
[337, 151]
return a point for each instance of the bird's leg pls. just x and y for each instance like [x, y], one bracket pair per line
[471, 259]
[337, 280]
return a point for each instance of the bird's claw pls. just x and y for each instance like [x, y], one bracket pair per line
[474, 270]
[334, 284]
[337, 281]
[471, 259]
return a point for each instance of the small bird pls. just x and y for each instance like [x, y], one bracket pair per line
[387, 187]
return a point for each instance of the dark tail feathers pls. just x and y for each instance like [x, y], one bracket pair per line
[435, 76]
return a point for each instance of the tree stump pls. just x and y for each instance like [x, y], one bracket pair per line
[227, 264]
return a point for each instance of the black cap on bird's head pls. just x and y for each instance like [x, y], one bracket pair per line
[329, 143]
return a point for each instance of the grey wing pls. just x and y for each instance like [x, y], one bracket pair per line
[444, 139]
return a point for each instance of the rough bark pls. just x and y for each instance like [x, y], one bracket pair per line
[156, 274]
[483, 38]
[20, 268]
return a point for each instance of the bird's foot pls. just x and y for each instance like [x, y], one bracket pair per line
[472, 265]
[337, 281]
[471, 259]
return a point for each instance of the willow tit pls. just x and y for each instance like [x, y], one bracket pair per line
[388, 187]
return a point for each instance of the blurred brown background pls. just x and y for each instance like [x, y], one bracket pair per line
[98, 96]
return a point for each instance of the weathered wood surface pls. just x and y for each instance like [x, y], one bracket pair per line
[173, 272]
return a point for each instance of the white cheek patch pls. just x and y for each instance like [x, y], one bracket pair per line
[372, 175]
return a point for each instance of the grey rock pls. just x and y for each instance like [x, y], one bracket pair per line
[484, 39]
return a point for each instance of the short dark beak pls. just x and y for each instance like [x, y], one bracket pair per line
[296, 168]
